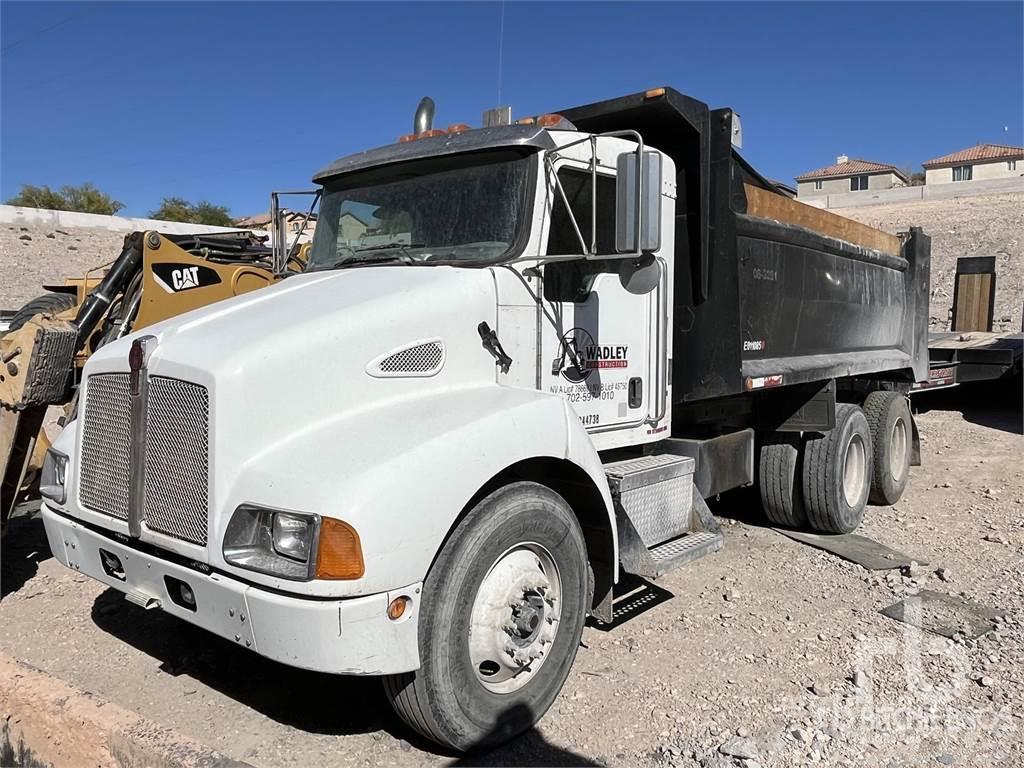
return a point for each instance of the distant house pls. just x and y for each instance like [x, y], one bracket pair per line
[259, 221]
[351, 228]
[984, 161]
[850, 175]
[294, 221]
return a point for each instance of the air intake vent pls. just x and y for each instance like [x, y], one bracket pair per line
[423, 358]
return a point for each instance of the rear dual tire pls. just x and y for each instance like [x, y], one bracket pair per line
[818, 480]
[778, 471]
[837, 472]
[889, 420]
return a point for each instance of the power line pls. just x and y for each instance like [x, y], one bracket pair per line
[44, 30]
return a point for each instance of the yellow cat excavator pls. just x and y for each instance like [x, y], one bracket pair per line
[157, 276]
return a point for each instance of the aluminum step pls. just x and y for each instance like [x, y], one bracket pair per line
[655, 492]
[685, 549]
[662, 520]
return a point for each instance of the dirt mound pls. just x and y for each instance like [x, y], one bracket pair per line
[32, 256]
[990, 225]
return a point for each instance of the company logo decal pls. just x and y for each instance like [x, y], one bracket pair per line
[579, 356]
[175, 278]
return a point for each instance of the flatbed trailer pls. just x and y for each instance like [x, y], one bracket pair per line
[971, 356]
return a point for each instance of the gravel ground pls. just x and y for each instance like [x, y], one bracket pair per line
[770, 651]
[991, 225]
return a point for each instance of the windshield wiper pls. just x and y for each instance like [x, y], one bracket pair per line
[374, 258]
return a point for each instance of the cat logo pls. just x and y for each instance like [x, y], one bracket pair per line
[185, 278]
[175, 278]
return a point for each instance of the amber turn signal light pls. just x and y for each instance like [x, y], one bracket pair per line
[339, 554]
[396, 608]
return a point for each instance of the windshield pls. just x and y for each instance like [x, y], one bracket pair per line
[443, 210]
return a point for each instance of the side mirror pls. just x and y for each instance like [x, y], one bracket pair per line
[638, 203]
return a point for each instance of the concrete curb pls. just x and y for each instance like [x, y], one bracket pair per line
[65, 726]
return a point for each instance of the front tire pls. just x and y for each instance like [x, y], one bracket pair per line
[501, 618]
[50, 303]
[837, 473]
[888, 418]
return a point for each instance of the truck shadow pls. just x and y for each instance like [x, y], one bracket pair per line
[530, 749]
[242, 675]
[260, 684]
[22, 548]
[997, 405]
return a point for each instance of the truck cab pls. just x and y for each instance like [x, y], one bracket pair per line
[515, 366]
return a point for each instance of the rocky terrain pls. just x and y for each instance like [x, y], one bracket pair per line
[991, 225]
[32, 256]
[768, 653]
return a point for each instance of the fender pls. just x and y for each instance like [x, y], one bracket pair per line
[401, 472]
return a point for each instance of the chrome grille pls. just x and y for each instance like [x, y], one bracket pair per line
[176, 456]
[106, 428]
[177, 459]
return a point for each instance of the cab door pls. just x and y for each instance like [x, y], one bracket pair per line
[597, 339]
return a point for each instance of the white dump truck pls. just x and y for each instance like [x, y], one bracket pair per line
[519, 360]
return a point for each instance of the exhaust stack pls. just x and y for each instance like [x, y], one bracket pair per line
[424, 119]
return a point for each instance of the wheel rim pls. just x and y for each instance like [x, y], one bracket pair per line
[854, 470]
[898, 450]
[515, 618]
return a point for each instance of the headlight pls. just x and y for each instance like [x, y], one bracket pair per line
[257, 541]
[52, 480]
[293, 535]
[292, 545]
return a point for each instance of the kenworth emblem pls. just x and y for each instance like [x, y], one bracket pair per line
[137, 358]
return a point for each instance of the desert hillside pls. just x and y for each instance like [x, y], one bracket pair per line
[991, 225]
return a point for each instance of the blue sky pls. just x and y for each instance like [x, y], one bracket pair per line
[227, 101]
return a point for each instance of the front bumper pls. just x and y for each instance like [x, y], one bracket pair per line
[352, 636]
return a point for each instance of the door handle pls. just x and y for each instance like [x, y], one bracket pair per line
[636, 392]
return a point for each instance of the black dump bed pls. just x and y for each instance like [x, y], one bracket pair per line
[769, 291]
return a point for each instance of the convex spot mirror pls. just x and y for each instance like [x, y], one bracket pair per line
[641, 275]
[638, 203]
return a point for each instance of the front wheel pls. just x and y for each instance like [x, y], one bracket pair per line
[501, 617]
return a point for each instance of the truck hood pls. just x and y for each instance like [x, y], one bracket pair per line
[307, 353]
[320, 324]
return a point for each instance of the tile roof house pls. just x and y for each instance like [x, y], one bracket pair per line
[849, 175]
[977, 163]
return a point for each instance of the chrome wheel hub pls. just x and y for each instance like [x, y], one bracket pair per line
[854, 470]
[898, 450]
[515, 618]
